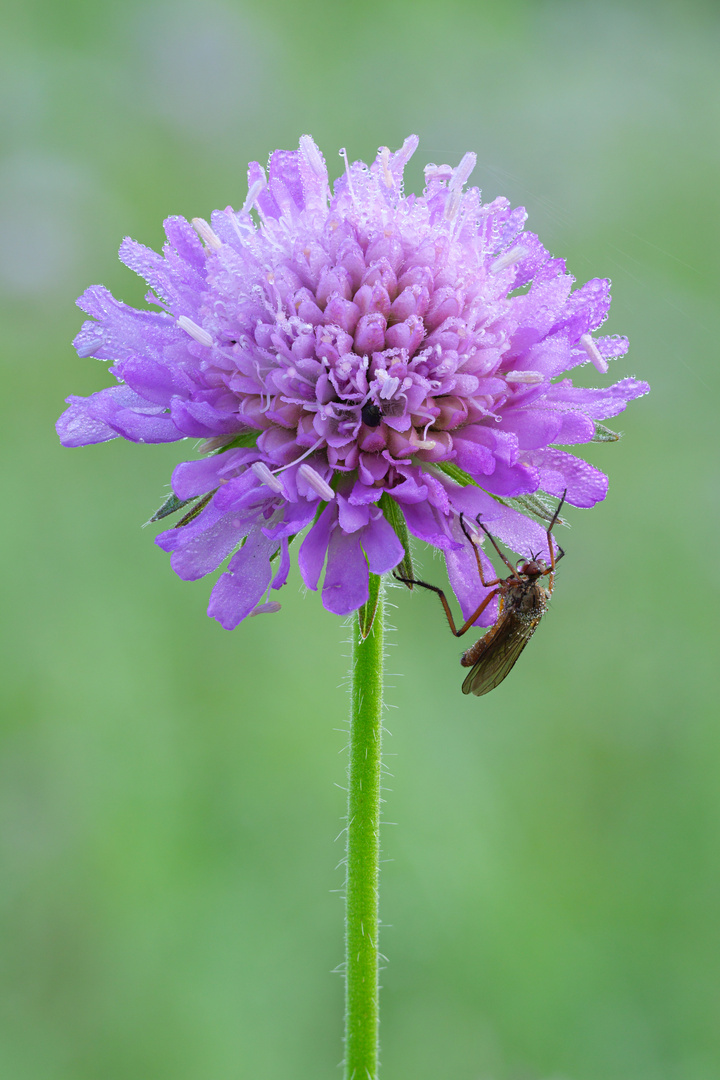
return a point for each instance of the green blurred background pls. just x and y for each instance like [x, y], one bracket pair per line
[168, 790]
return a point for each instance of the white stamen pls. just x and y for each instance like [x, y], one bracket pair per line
[312, 155]
[406, 151]
[462, 173]
[388, 385]
[266, 477]
[457, 182]
[594, 353]
[508, 258]
[316, 482]
[253, 193]
[302, 457]
[384, 155]
[206, 233]
[524, 377]
[343, 154]
[424, 444]
[262, 609]
[194, 330]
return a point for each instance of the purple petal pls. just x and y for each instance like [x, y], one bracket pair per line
[533, 427]
[381, 545]
[472, 501]
[313, 549]
[520, 533]
[465, 579]
[512, 480]
[352, 516]
[472, 456]
[423, 521]
[346, 583]
[121, 331]
[204, 543]
[185, 241]
[191, 478]
[575, 428]
[281, 574]
[245, 581]
[599, 404]
[558, 470]
[123, 411]
[156, 382]
[77, 428]
[202, 420]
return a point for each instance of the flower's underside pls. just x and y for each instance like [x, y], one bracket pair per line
[335, 347]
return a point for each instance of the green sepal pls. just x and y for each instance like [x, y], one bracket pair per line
[395, 516]
[539, 505]
[193, 513]
[605, 434]
[245, 440]
[366, 614]
[171, 506]
[276, 553]
[455, 473]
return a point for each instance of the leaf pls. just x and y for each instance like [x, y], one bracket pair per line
[245, 440]
[605, 434]
[455, 473]
[171, 505]
[395, 516]
[366, 614]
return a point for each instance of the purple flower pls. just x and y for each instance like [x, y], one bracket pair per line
[352, 359]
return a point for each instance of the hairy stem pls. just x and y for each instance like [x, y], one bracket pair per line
[363, 852]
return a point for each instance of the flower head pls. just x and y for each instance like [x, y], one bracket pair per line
[352, 358]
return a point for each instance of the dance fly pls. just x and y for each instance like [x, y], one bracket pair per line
[523, 600]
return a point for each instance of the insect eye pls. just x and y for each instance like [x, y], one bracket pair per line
[371, 414]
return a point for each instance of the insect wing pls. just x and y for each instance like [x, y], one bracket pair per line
[505, 642]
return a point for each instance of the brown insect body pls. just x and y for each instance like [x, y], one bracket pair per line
[523, 601]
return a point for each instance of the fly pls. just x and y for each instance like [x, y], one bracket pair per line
[523, 600]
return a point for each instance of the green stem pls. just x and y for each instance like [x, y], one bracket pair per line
[363, 853]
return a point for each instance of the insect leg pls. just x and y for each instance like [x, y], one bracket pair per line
[554, 559]
[493, 541]
[446, 607]
[551, 526]
[474, 546]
